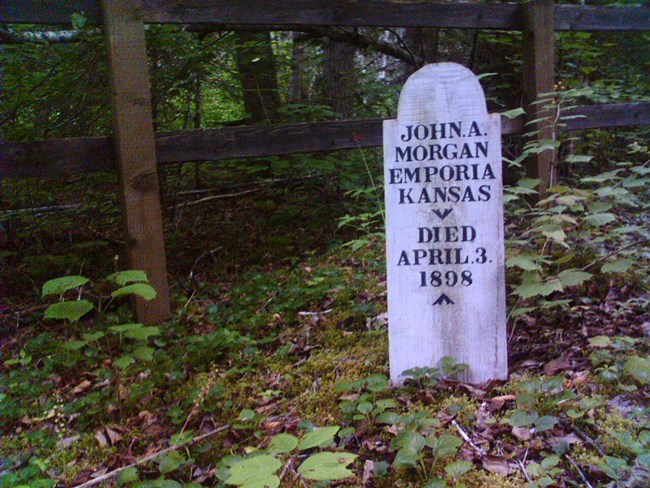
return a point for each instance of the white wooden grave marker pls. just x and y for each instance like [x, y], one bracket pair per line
[444, 227]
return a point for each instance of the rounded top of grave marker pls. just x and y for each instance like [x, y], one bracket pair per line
[441, 92]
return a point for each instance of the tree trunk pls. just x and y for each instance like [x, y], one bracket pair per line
[258, 74]
[338, 79]
[424, 44]
[299, 92]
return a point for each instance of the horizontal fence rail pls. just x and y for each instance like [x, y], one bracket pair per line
[370, 13]
[94, 154]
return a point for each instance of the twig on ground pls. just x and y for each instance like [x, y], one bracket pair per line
[582, 474]
[611, 254]
[216, 197]
[523, 467]
[585, 437]
[286, 468]
[206, 253]
[151, 457]
[324, 312]
[463, 433]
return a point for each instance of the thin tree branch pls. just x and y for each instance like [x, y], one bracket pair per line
[151, 457]
[10, 36]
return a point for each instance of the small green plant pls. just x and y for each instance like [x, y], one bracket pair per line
[543, 473]
[428, 377]
[362, 401]
[260, 468]
[419, 445]
[131, 339]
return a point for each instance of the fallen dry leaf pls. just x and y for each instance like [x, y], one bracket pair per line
[477, 392]
[571, 438]
[496, 465]
[522, 433]
[101, 437]
[81, 387]
[556, 365]
[368, 479]
[113, 436]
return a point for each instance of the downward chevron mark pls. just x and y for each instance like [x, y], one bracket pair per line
[442, 215]
[443, 300]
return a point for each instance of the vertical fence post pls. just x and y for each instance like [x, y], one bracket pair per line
[539, 77]
[135, 151]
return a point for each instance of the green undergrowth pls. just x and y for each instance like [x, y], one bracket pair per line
[300, 352]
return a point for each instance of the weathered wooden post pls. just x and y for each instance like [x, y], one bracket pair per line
[444, 206]
[538, 78]
[135, 151]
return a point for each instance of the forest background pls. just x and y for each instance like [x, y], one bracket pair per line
[278, 280]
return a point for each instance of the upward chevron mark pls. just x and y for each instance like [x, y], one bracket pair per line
[443, 300]
[442, 215]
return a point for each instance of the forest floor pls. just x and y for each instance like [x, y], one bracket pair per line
[273, 370]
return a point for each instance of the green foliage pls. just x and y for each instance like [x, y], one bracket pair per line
[71, 311]
[325, 466]
[322, 437]
[255, 472]
[259, 469]
[63, 284]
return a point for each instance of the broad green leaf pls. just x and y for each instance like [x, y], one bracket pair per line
[524, 262]
[458, 468]
[94, 336]
[255, 472]
[283, 443]
[600, 341]
[318, 438]
[617, 266]
[435, 483]
[409, 441]
[445, 445]
[546, 422]
[573, 277]
[364, 407]
[63, 284]
[377, 382]
[387, 403]
[388, 418]
[529, 290]
[143, 290]
[639, 369]
[129, 475]
[70, 310]
[522, 418]
[144, 353]
[535, 469]
[557, 235]
[600, 207]
[529, 182]
[142, 333]
[246, 415]
[164, 483]
[550, 461]
[327, 466]
[128, 276]
[514, 113]
[74, 345]
[406, 459]
[78, 21]
[183, 438]
[171, 462]
[576, 158]
[120, 329]
[124, 362]
[601, 219]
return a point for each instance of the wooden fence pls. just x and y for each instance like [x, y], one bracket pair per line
[134, 150]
